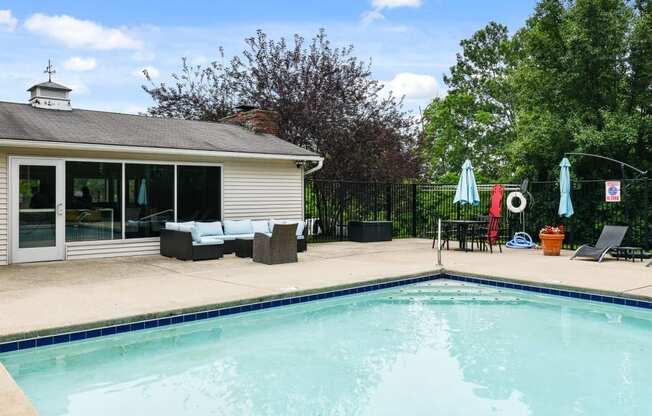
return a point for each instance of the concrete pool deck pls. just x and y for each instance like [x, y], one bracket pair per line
[45, 298]
[13, 401]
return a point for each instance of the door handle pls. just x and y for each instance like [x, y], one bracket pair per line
[59, 209]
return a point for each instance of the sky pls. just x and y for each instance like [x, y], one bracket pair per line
[99, 48]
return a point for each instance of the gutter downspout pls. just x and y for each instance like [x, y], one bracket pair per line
[320, 164]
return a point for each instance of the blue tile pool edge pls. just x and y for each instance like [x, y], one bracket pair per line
[29, 343]
[23, 344]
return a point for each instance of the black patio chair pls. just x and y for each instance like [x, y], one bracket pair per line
[484, 237]
[447, 233]
[611, 237]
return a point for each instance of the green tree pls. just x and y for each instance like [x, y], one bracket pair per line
[576, 78]
[476, 118]
[573, 86]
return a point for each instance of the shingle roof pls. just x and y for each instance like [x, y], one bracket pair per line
[24, 122]
[51, 85]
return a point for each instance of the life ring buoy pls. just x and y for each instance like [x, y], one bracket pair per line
[510, 202]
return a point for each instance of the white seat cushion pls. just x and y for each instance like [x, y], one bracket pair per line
[209, 228]
[243, 236]
[171, 226]
[186, 226]
[238, 227]
[206, 241]
[300, 225]
[209, 240]
[175, 225]
[260, 226]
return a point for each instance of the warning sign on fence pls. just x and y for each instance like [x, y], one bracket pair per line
[612, 191]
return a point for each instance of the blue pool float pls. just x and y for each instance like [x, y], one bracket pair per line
[520, 240]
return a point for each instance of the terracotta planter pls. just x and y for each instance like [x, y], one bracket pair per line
[551, 243]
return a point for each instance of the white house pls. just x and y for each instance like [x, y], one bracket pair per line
[83, 184]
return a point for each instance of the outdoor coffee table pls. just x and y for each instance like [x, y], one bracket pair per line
[628, 253]
[244, 247]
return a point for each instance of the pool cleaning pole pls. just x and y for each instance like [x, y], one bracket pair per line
[439, 242]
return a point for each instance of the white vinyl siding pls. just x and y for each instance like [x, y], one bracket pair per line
[111, 248]
[4, 221]
[262, 190]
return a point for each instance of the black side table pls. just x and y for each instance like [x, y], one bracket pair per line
[369, 231]
[628, 253]
[244, 247]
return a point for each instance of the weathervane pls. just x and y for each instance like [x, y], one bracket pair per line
[49, 70]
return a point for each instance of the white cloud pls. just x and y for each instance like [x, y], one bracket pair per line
[392, 4]
[76, 33]
[143, 55]
[371, 16]
[412, 86]
[152, 71]
[77, 87]
[80, 64]
[7, 20]
[378, 6]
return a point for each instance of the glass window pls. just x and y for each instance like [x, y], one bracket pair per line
[149, 199]
[36, 206]
[199, 193]
[93, 201]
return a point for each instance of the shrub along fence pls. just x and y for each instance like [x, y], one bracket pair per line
[414, 209]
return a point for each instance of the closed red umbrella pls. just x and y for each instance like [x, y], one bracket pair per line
[494, 211]
[496, 201]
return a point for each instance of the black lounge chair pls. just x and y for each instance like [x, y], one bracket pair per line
[611, 237]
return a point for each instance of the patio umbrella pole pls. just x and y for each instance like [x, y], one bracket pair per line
[439, 242]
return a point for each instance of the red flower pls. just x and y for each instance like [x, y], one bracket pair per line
[549, 229]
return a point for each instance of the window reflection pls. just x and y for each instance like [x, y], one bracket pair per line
[149, 200]
[93, 201]
[36, 206]
[199, 193]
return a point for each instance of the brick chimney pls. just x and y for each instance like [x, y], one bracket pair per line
[255, 119]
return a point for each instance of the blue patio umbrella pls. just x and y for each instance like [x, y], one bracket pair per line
[565, 203]
[467, 189]
[142, 193]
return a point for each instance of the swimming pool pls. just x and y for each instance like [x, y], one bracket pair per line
[437, 347]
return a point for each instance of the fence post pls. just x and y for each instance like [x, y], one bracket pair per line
[374, 189]
[388, 202]
[646, 215]
[414, 210]
[341, 213]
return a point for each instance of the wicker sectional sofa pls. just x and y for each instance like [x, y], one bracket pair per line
[194, 240]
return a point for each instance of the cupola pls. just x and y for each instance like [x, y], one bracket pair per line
[49, 94]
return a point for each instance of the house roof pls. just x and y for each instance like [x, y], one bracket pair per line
[24, 122]
[51, 85]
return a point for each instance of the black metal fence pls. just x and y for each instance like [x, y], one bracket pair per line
[415, 208]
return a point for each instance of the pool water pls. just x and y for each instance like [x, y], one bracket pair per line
[434, 348]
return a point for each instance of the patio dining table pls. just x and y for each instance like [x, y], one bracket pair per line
[464, 229]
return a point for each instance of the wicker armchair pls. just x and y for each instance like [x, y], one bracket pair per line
[280, 248]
